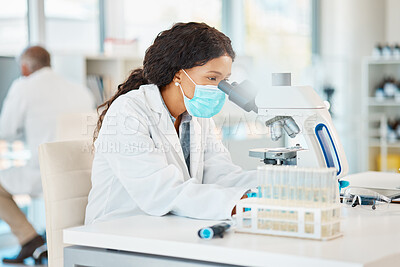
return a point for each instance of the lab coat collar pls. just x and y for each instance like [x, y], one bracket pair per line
[153, 97]
[38, 72]
[196, 149]
[166, 126]
[155, 102]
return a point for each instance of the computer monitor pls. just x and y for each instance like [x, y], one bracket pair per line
[9, 71]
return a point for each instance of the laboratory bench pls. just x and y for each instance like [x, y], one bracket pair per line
[370, 238]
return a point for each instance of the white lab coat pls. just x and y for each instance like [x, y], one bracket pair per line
[30, 111]
[139, 167]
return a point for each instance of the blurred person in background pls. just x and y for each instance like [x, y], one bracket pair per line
[30, 112]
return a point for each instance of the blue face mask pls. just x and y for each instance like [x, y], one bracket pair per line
[207, 101]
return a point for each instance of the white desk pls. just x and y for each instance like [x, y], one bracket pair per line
[374, 179]
[370, 239]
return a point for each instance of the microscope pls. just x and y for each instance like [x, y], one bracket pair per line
[297, 111]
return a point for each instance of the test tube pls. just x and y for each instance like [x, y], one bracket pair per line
[269, 184]
[331, 184]
[284, 196]
[300, 194]
[317, 176]
[292, 173]
[335, 186]
[333, 189]
[328, 194]
[276, 185]
[284, 193]
[308, 186]
[261, 172]
[325, 189]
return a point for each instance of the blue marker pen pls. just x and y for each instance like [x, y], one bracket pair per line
[215, 230]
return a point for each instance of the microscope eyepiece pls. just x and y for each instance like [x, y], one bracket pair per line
[243, 94]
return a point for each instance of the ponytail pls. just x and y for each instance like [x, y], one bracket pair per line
[134, 81]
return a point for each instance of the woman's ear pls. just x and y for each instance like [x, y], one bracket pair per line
[25, 70]
[177, 78]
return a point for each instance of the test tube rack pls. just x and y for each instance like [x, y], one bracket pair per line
[293, 201]
[257, 217]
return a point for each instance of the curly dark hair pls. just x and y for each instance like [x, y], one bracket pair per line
[184, 46]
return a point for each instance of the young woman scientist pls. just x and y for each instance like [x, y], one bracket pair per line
[155, 150]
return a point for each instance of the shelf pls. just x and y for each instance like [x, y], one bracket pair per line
[377, 111]
[372, 101]
[383, 61]
[115, 57]
[377, 143]
[374, 133]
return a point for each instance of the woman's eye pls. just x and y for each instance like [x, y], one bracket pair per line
[212, 78]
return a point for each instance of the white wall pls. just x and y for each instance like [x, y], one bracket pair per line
[114, 12]
[392, 21]
[349, 31]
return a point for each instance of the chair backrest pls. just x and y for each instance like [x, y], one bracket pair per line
[65, 169]
[75, 126]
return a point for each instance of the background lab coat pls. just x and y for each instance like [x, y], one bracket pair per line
[139, 166]
[30, 110]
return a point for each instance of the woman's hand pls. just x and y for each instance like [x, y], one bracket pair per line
[234, 208]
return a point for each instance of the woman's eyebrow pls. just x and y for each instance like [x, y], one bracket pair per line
[216, 72]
